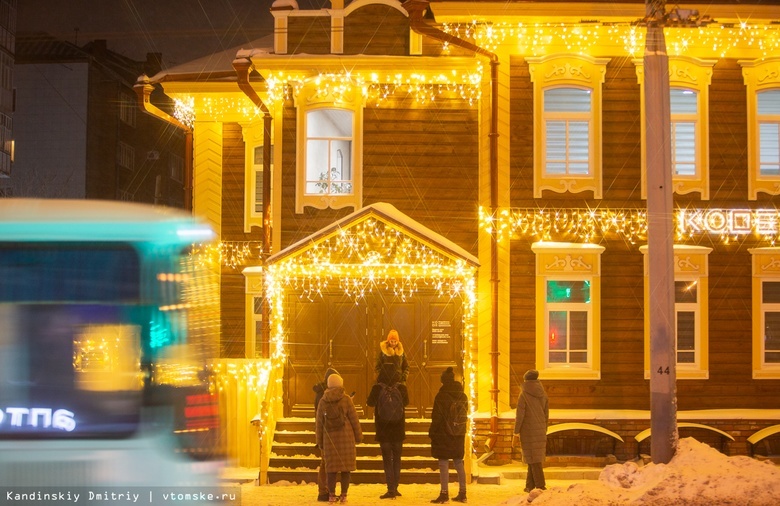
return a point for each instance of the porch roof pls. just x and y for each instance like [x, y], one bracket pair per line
[389, 215]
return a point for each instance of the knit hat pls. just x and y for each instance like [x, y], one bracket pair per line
[393, 335]
[334, 380]
[329, 372]
[531, 374]
[448, 376]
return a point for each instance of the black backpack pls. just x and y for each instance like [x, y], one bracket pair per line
[333, 416]
[390, 403]
[456, 418]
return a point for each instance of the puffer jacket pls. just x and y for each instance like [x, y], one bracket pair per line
[388, 354]
[531, 419]
[443, 445]
[338, 446]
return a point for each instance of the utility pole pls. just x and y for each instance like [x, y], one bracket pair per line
[660, 239]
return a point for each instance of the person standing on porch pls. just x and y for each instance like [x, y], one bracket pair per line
[447, 444]
[338, 431]
[392, 351]
[389, 397]
[322, 479]
[532, 416]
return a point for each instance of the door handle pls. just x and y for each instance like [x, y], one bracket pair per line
[330, 352]
[425, 352]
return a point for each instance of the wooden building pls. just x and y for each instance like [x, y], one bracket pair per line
[474, 174]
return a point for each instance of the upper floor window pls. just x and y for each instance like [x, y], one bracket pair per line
[329, 152]
[329, 148]
[176, 167]
[766, 313]
[762, 78]
[567, 123]
[127, 108]
[689, 81]
[684, 118]
[568, 310]
[125, 156]
[769, 133]
[254, 173]
[691, 311]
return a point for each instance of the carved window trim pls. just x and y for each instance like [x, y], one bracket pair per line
[759, 75]
[765, 268]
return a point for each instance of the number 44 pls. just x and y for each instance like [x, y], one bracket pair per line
[661, 370]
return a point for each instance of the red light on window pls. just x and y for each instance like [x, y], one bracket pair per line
[552, 337]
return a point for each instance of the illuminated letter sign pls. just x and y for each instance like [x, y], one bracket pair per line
[727, 221]
[40, 418]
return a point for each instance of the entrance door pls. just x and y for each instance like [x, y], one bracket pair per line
[334, 331]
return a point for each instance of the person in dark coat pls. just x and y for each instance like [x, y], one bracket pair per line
[338, 445]
[389, 434]
[392, 351]
[446, 447]
[533, 413]
[322, 479]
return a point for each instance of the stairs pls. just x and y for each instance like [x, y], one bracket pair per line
[295, 456]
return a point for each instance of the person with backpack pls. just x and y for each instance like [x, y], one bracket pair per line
[448, 434]
[322, 479]
[338, 431]
[392, 351]
[388, 398]
[531, 418]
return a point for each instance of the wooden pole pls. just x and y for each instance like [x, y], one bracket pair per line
[660, 235]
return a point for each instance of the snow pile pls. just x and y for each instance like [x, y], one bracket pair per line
[697, 475]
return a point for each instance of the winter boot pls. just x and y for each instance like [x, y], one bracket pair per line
[444, 497]
[333, 498]
[343, 498]
[387, 495]
[323, 497]
[461, 497]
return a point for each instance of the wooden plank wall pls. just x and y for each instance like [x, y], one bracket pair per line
[623, 385]
[308, 35]
[376, 30]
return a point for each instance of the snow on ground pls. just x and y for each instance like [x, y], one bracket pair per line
[698, 475]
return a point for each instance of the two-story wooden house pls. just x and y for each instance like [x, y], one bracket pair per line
[473, 174]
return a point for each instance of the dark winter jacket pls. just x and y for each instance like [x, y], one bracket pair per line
[388, 354]
[320, 387]
[338, 446]
[443, 445]
[531, 419]
[388, 431]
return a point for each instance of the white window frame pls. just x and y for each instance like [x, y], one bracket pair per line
[568, 71]
[311, 98]
[765, 268]
[771, 119]
[676, 118]
[696, 75]
[568, 262]
[759, 76]
[176, 167]
[691, 265]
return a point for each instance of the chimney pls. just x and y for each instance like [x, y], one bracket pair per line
[153, 64]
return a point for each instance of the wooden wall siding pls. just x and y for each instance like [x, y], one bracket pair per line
[622, 384]
[424, 160]
[728, 133]
[232, 282]
[308, 35]
[378, 30]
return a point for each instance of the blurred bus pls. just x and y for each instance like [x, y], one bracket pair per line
[107, 327]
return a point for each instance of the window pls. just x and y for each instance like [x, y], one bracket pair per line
[125, 156]
[567, 123]
[690, 311]
[329, 171]
[176, 166]
[684, 119]
[254, 138]
[769, 133]
[568, 314]
[766, 313]
[689, 81]
[127, 108]
[763, 116]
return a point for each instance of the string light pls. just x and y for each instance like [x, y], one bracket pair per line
[233, 254]
[589, 225]
[722, 40]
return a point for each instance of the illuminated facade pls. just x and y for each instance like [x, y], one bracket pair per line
[515, 134]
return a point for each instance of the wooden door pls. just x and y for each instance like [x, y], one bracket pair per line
[430, 330]
[330, 331]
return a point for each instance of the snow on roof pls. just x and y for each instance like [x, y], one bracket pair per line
[388, 213]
